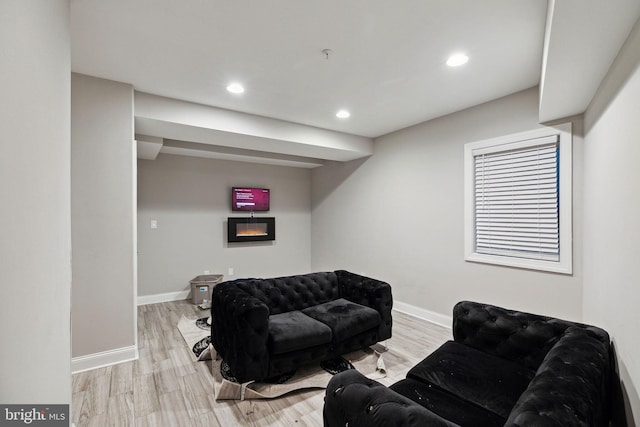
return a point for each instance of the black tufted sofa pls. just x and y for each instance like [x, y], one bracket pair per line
[267, 327]
[503, 368]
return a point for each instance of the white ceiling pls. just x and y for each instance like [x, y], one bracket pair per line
[388, 61]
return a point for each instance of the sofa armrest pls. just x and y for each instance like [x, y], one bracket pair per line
[240, 331]
[354, 400]
[571, 386]
[371, 293]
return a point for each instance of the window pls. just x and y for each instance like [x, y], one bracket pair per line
[518, 200]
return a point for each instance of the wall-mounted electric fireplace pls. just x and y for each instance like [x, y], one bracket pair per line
[254, 229]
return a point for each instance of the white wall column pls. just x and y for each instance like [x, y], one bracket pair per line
[103, 179]
[35, 234]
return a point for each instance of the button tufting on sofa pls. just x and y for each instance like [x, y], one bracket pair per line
[518, 370]
[244, 307]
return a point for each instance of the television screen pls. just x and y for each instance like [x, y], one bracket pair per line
[249, 199]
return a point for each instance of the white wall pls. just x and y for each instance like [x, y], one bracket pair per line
[35, 242]
[612, 214]
[190, 198]
[398, 216]
[103, 219]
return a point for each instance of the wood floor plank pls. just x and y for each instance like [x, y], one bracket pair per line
[99, 420]
[144, 365]
[121, 378]
[182, 361]
[80, 381]
[197, 404]
[120, 411]
[206, 420]
[166, 378]
[166, 388]
[77, 401]
[96, 398]
[174, 409]
[150, 420]
[145, 396]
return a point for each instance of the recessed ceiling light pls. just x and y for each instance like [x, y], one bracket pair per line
[235, 88]
[457, 59]
[343, 114]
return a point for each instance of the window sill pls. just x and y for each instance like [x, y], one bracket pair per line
[562, 267]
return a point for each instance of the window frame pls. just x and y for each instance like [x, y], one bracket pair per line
[504, 143]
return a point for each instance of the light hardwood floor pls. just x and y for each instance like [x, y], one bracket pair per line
[165, 388]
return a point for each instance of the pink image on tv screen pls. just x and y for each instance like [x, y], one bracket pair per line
[250, 199]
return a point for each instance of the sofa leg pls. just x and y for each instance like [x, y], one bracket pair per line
[243, 389]
[214, 353]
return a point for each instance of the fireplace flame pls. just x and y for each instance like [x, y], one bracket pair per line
[251, 230]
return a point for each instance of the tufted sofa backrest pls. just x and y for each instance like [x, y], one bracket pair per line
[522, 337]
[572, 383]
[284, 294]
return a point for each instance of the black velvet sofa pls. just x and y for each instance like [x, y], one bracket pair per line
[263, 328]
[503, 368]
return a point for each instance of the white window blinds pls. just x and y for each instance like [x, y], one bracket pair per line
[517, 200]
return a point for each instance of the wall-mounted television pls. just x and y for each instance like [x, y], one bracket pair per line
[250, 199]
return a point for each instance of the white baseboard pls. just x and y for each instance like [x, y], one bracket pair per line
[102, 359]
[156, 298]
[431, 316]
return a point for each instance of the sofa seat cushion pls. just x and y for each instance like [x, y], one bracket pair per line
[446, 405]
[294, 331]
[488, 381]
[345, 318]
